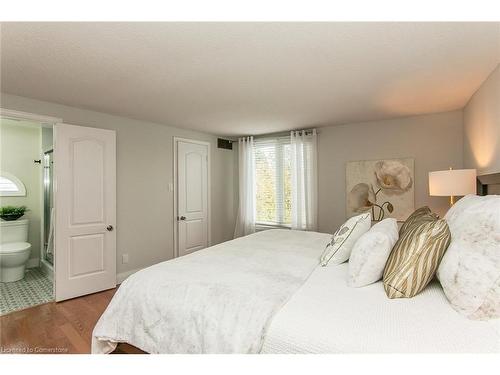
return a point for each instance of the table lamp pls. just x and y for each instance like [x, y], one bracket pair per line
[452, 182]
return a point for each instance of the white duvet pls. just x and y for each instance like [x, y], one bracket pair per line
[217, 300]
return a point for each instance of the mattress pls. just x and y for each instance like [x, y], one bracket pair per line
[327, 316]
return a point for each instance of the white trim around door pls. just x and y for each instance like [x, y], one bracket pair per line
[18, 115]
[175, 190]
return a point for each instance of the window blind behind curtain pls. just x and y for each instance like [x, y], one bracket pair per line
[273, 181]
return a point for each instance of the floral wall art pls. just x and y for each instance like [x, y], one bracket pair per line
[383, 187]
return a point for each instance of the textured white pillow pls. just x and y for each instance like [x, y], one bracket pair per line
[340, 247]
[370, 253]
[470, 269]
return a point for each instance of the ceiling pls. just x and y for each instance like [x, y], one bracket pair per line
[250, 78]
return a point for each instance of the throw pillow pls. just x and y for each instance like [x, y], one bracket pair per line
[415, 258]
[470, 270]
[370, 252]
[340, 247]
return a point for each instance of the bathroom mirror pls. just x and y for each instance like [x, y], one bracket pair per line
[11, 186]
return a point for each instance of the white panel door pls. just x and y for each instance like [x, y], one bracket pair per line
[85, 207]
[192, 196]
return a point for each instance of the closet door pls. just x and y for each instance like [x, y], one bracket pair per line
[192, 196]
[85, 207]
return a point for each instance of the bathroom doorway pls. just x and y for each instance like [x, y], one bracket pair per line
[26, 210]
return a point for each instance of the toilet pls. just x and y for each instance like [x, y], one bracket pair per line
[14, 250]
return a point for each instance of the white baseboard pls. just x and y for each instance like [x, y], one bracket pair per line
[33, 263]
[120, 277]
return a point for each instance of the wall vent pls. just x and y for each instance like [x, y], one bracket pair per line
[224, 143]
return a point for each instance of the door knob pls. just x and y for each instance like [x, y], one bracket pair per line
[109, 228]
[182, 218]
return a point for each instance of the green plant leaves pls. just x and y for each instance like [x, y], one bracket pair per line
[12, 212]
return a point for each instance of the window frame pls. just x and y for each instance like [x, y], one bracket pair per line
[279, 144]
[21, 189]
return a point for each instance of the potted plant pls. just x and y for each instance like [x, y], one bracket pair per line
[10, 213]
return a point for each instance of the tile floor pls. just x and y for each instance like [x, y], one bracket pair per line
[34, 289]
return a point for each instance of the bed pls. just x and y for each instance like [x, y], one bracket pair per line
[327, 316]
[265, 293]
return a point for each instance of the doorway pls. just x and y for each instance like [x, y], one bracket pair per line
[65, 229]
[26, 262]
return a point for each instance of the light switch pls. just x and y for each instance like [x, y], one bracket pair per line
[125, 258]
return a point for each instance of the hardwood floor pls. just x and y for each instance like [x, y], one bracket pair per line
[64, 327]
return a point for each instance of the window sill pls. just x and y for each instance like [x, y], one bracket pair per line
[265, 226]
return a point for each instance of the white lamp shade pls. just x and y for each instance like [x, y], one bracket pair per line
[452, 182]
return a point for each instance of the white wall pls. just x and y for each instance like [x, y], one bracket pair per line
[144, 170]
[435, 142]
[20, 144]
[47, 138]
[482, 127]
[145, 156]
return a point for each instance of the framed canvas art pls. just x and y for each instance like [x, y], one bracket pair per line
[383, 187]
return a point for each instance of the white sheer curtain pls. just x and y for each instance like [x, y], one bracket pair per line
[304, 180]
[245, 222]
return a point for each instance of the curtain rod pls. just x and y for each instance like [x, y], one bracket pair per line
[282, 134]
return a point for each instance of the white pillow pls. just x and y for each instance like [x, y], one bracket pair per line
[340, 247]
[370, 253]
[470, 269]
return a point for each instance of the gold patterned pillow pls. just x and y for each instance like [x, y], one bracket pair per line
[423, 213]
[416, 257]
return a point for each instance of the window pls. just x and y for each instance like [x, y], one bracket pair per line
[273, 181]
[11, 186]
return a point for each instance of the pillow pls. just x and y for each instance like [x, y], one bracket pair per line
[415, 257]
[423, 213]
[470, 270]
[340, 247]
[370, 253]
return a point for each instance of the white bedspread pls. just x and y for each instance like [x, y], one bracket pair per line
[217, 300]
[327, 316]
